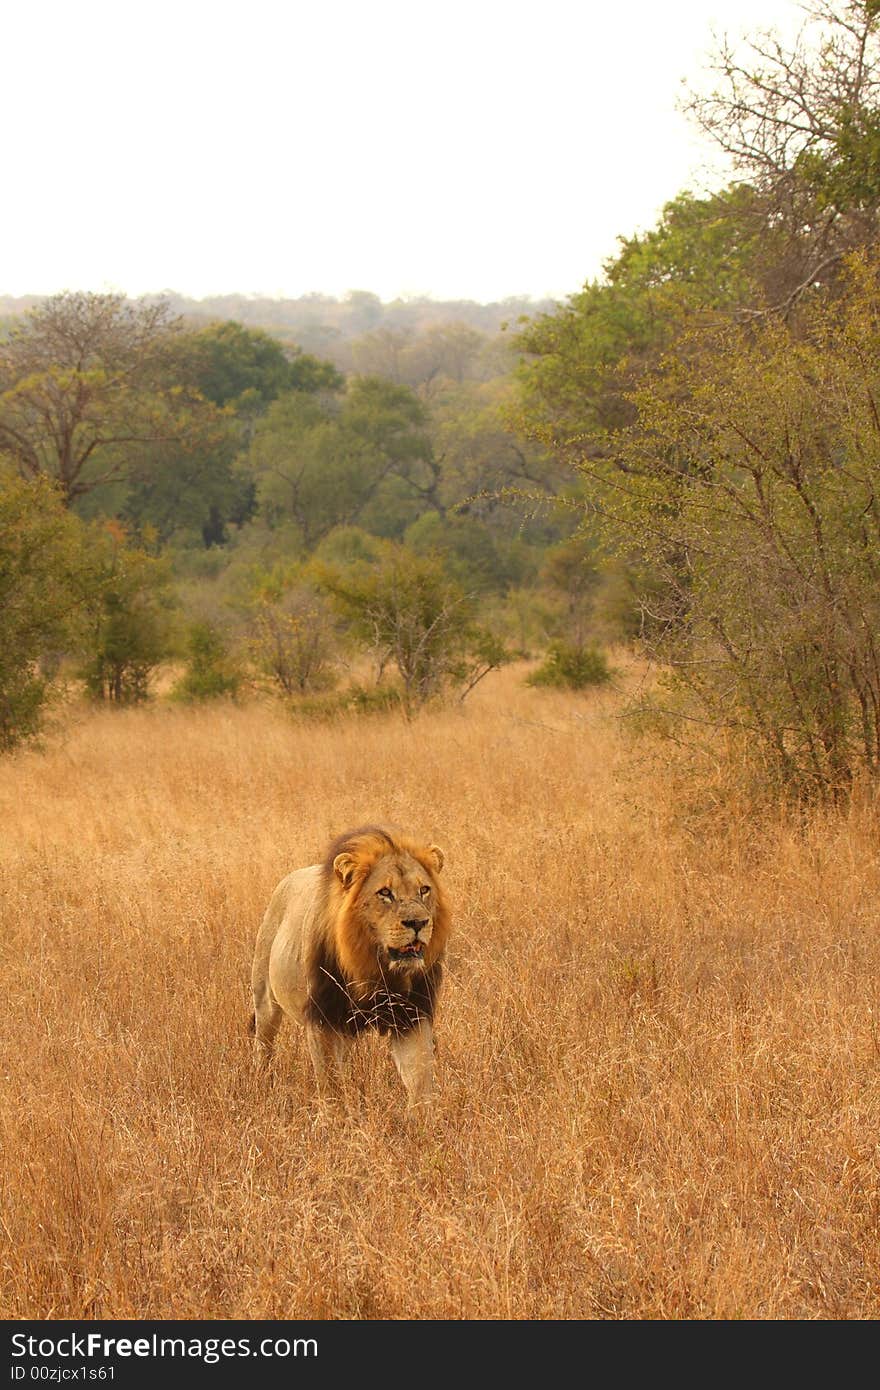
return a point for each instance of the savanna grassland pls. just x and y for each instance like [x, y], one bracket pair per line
[658, 1046]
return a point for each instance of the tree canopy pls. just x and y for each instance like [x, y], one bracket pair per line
[802, 126]
[245, 368]
[84, 393]
[44, 581]
[325, 463]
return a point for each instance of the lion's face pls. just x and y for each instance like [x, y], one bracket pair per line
[395, 908]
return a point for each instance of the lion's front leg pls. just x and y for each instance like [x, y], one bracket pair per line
[413, 1054]
[329, 1052]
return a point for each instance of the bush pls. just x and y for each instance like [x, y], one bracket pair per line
[293, 636]
[355, 699]
[44, 581]
[128, 632]
[405, 609]
[570, 667]
[209, 674]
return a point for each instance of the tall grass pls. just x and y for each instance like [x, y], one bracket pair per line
[659, 1055]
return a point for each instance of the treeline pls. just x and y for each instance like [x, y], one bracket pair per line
[334, 328]
[684, 454]
[247, 508]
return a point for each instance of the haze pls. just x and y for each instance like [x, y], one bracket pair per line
[470, 150]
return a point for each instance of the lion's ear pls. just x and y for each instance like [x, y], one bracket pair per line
[344, 866]
[437, 855]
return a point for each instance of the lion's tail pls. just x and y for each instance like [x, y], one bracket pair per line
[252, 1024]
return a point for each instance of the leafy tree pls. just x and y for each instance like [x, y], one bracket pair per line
[44, 581]
[405, 609]
[363, 310]
[481, 460]
[581, 362]
[245, 368]
[445, 351]
[348, 545]
[83, 394]
[324, 462]
[700, 266]
[802, 125]
[572, 571]
[471, 553]
[292, 632]
[312, 374]
[383, 354]
[297, 471]
[191, 484]
[750, 485]
[422, 361]
[128, 632]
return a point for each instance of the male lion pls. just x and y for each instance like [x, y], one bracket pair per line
[356, 942]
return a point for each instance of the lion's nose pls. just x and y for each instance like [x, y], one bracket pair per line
[416, 923]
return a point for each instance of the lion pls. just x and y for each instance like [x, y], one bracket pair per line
[356, 942]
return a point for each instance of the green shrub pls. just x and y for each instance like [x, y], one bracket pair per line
[128, 630]
[355, 699]
[209, 674]
[44, 582]
[570, 667]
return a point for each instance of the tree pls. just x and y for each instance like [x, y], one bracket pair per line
[323, 462]
[750, 484]
[403, 606]
[472, 554]
[83, 391]
[703, 260]
[193, 482]
[292, 632]
[128, 630]
[802, 126]
[571, 571]
[190, 484]
[363, 310]
[422, 361]
[382, 353]
[445, 351]
[44, 582]
[568, 666]
[244, 367]
[481, 460]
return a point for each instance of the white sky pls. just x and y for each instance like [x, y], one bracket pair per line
[475, 149]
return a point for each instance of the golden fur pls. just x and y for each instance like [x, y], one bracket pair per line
[353, 943]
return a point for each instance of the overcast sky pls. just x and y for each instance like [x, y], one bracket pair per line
[477, 149]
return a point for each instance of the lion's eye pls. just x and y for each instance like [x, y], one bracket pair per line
[387, 894]
[425, 890]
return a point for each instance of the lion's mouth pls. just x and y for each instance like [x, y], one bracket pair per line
[414, 951]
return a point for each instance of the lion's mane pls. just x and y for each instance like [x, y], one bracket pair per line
[348, 989]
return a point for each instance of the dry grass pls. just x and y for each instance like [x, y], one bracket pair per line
[659, 1049]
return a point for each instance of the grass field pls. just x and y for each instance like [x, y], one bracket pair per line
[659, 1051]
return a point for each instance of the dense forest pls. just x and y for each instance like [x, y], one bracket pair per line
[354, 504]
